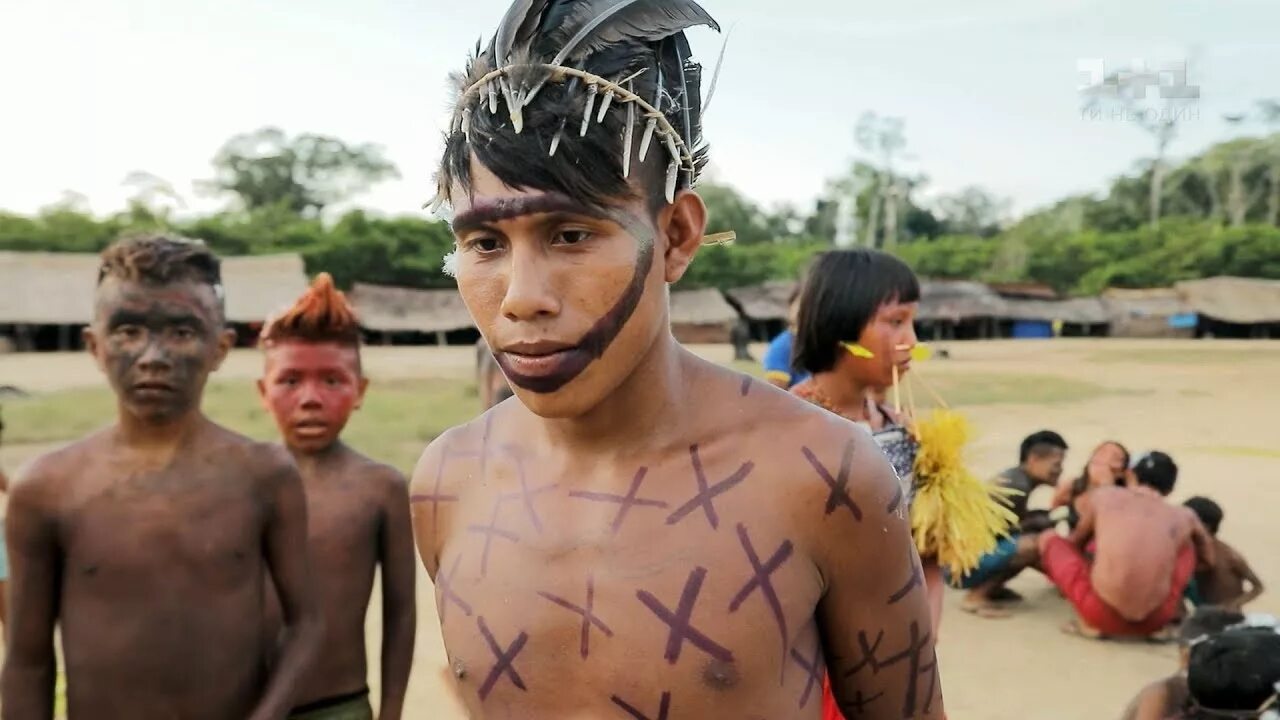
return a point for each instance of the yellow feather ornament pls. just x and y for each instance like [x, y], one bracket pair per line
[956, 518]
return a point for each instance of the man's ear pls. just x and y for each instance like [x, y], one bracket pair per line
[683, 223]
[363, 387]
[262, 394]
[92, 344]
[226, 341]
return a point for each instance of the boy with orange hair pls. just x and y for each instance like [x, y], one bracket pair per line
[358, 509]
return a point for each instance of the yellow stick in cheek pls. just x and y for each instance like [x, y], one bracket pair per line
[897, 395]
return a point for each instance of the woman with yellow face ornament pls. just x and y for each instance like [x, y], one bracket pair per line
[855, 334]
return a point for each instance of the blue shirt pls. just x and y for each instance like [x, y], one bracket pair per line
[777, 361]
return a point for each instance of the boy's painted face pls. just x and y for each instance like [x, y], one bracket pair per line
[157, 344]
[890, 335]
[311, 389]
[569, 297]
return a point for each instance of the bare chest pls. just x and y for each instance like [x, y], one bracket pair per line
[176, 527]
[684, 580]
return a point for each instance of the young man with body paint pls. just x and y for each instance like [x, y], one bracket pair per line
[358, 509]
[645, 534]
[151, 543]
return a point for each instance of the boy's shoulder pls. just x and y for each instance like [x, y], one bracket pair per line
[373, 472]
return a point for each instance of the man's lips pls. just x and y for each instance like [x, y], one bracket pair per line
[310, 427]
[152, 386]
[537, 358]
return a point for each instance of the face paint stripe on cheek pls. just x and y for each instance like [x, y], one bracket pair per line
[595, 341]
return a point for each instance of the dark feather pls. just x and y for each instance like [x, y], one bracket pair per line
[605, 22]
[518, 27]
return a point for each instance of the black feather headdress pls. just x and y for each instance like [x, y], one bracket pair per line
[624, 65]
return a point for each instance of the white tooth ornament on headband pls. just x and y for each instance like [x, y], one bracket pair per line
[556, 41]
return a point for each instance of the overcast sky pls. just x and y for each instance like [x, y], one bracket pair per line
[94, 89]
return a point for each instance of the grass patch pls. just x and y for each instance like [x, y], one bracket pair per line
[397, 421]
[963, 389]
[400, 417]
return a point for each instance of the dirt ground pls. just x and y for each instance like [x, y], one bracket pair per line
[1211, 404]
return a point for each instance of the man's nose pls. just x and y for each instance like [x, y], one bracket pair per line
[155, 356]
[530, 293]
[310, 396]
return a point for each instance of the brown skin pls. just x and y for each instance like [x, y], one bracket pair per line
[1106, 468]
[150, 543]
[1044, 470]
[1159, 700]
[358, 521]
[644, 403]
[1223, 582]
[1139, 536]
[860, 387]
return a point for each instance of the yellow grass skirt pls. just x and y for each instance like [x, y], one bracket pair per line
[956, 518]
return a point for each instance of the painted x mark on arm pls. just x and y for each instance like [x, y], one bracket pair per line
[874, 615]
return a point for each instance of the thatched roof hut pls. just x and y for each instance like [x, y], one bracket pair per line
[259, 285]
[39, 288]
[701, 316]
[1149, 312]
[1074, 311]
[44, 296]
[1234, 300]
[957, 301]
[395, 309]
[57, 288]
[764, 302]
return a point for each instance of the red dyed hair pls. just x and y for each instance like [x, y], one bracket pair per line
[321, 314]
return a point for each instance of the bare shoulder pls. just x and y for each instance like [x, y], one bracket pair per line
[269, 464]
[434, 473]
[45, 479]
[381, 477]
[816, 461]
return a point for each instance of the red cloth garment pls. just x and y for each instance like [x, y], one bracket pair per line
[1069, 569]
[830, 711]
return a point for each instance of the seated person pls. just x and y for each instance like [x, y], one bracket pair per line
[1145, 554]
[1039, 465]
[1234, 674]
[1107, 466]
[1223, 582]
[778, 367]
[1165, 698]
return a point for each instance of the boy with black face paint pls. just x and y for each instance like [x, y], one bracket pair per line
[150, 543]
[645, 534]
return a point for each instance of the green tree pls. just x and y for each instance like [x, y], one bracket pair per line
[304, 174]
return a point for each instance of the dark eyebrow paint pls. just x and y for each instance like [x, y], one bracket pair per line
[492, 211]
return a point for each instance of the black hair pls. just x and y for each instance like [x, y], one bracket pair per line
[159, 258]
[1039, 443]
[1207, 620]
[1156, 470]
[841, 293]
[1209, 512]
[587, 167]
[1081, 483]
[1234, 670]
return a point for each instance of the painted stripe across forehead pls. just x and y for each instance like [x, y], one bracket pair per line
[486, 212]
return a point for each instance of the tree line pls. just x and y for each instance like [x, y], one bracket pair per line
[1214, 213]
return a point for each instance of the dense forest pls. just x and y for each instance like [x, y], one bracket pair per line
[1215, 213]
